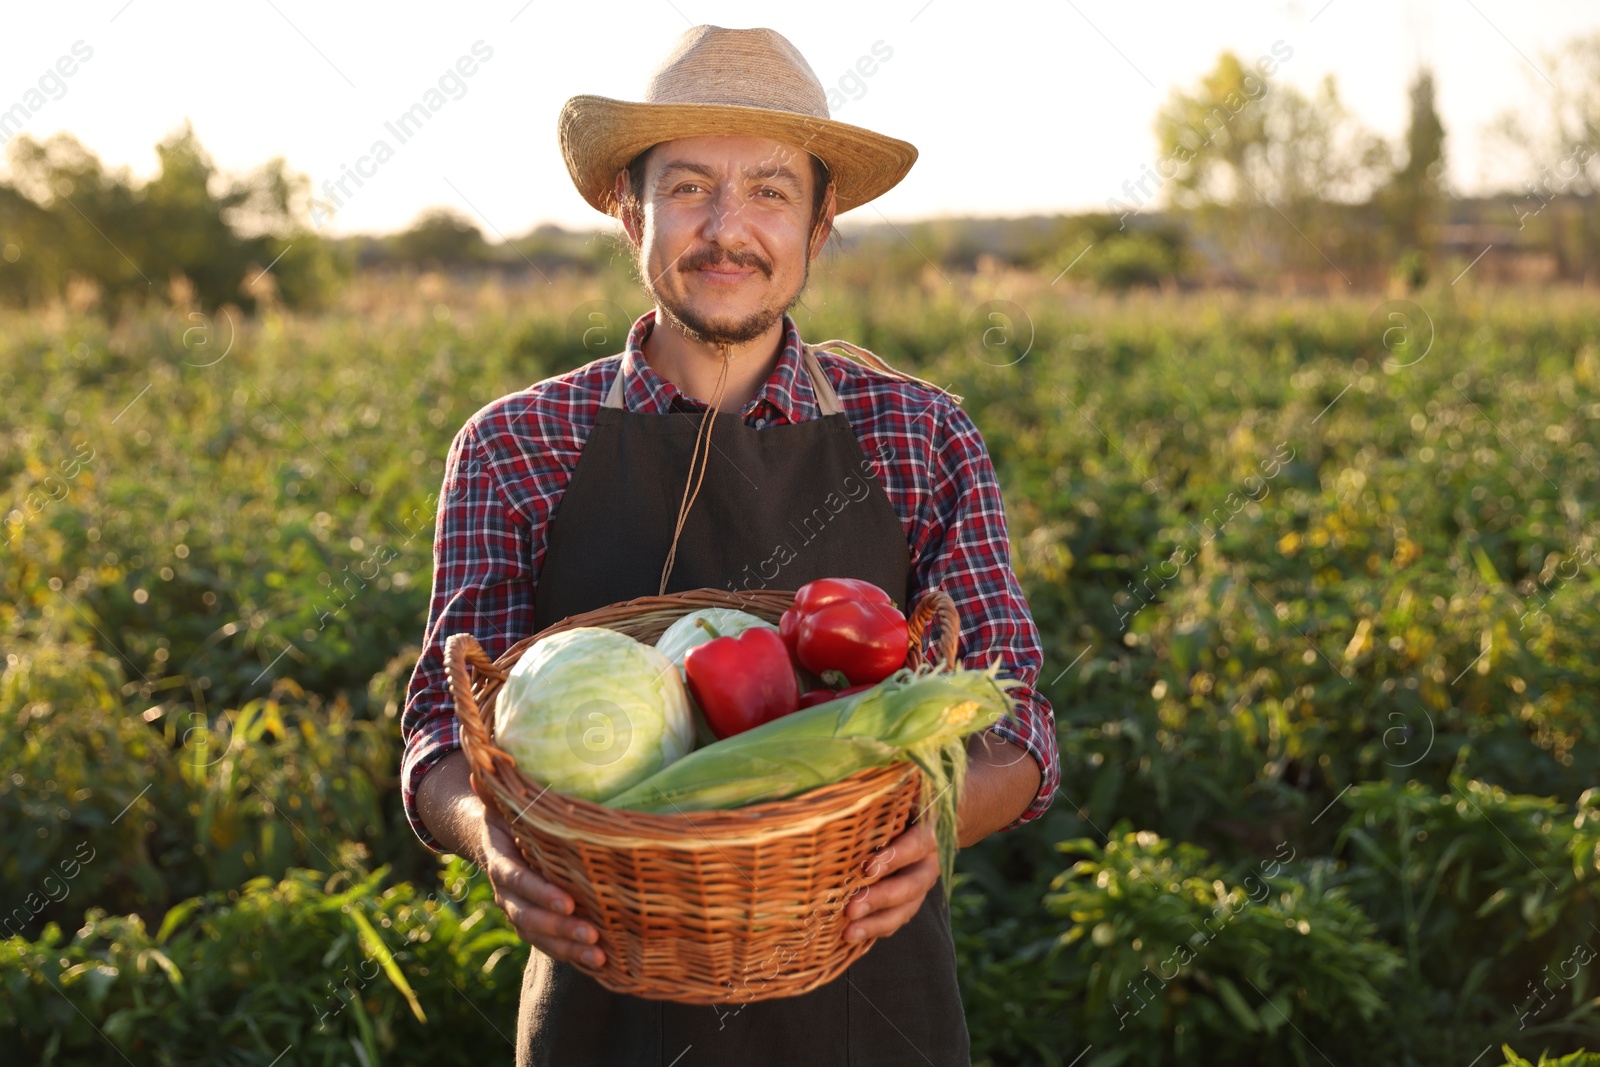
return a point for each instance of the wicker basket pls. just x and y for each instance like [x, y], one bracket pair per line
[708, 907]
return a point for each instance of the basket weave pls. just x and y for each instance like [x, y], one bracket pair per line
[708, 907]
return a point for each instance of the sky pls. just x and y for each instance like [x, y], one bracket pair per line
[1016, 108]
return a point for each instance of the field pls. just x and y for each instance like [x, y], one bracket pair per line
[1316, 580]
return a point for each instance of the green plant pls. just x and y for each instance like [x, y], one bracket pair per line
[1156, 954]
[1580, 1058]
[146, 809]
[1490, 895]
[298, 971]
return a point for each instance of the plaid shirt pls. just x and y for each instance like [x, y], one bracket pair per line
[510, 463]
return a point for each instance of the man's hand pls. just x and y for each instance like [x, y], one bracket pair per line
[462, 823]
[539, 911]
[912, 863]
[1002, 779]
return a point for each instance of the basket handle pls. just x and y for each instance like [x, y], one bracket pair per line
[934, 604]
[460, 651]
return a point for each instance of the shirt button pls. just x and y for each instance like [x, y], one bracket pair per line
[762, 421]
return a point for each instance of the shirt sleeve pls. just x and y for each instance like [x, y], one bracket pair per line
[964, 548]
[481, 586]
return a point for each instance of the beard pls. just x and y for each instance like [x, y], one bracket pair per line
[696, 326]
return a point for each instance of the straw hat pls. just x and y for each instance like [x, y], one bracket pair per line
[721, 82]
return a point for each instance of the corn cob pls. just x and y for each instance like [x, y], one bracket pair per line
[923, 715]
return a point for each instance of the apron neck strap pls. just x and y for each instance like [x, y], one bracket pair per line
[875, 361]
[827, 399]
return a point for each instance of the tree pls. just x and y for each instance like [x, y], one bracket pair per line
[1211, 137]
[80, 221]
[1270, 170]
[441, 237]
[1557, 201]
[65, 216]
[1415, 191]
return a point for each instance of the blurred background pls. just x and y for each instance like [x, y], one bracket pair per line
[1280, 323]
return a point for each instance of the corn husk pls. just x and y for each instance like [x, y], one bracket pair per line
[923, 715]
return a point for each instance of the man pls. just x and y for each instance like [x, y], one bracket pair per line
[565, 497]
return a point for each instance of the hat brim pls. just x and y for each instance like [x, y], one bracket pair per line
[600, 136]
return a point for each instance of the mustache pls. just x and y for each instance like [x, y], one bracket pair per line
[701, 258]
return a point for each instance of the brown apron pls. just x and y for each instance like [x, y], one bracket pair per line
[778, 507]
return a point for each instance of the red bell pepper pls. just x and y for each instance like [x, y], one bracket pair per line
[846, 625]
[741, 681]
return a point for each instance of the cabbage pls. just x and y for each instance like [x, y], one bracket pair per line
[683, 635]
[591, 712]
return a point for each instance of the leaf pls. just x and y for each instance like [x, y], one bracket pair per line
[1485, 568]
[120, 1025]
[175, 915]
[1374, 852]
[1475, 979]
[161, 959]
[1512, 1059]
[366, 1049]
[338, 946]
[377, 950]
[1231, 999]
[1274, 1011]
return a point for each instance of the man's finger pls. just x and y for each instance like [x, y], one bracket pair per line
[896, 889]
[883, 923]
[533, 922]
[910, 846]
[507, 869]
[570, 951]
[528, 885]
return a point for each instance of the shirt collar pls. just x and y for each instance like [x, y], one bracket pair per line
[788, 389]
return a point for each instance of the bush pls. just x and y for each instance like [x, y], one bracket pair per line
[1156, 959]
[1491, 896]
[325, 966]
[1133, 259]
[133, 813]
